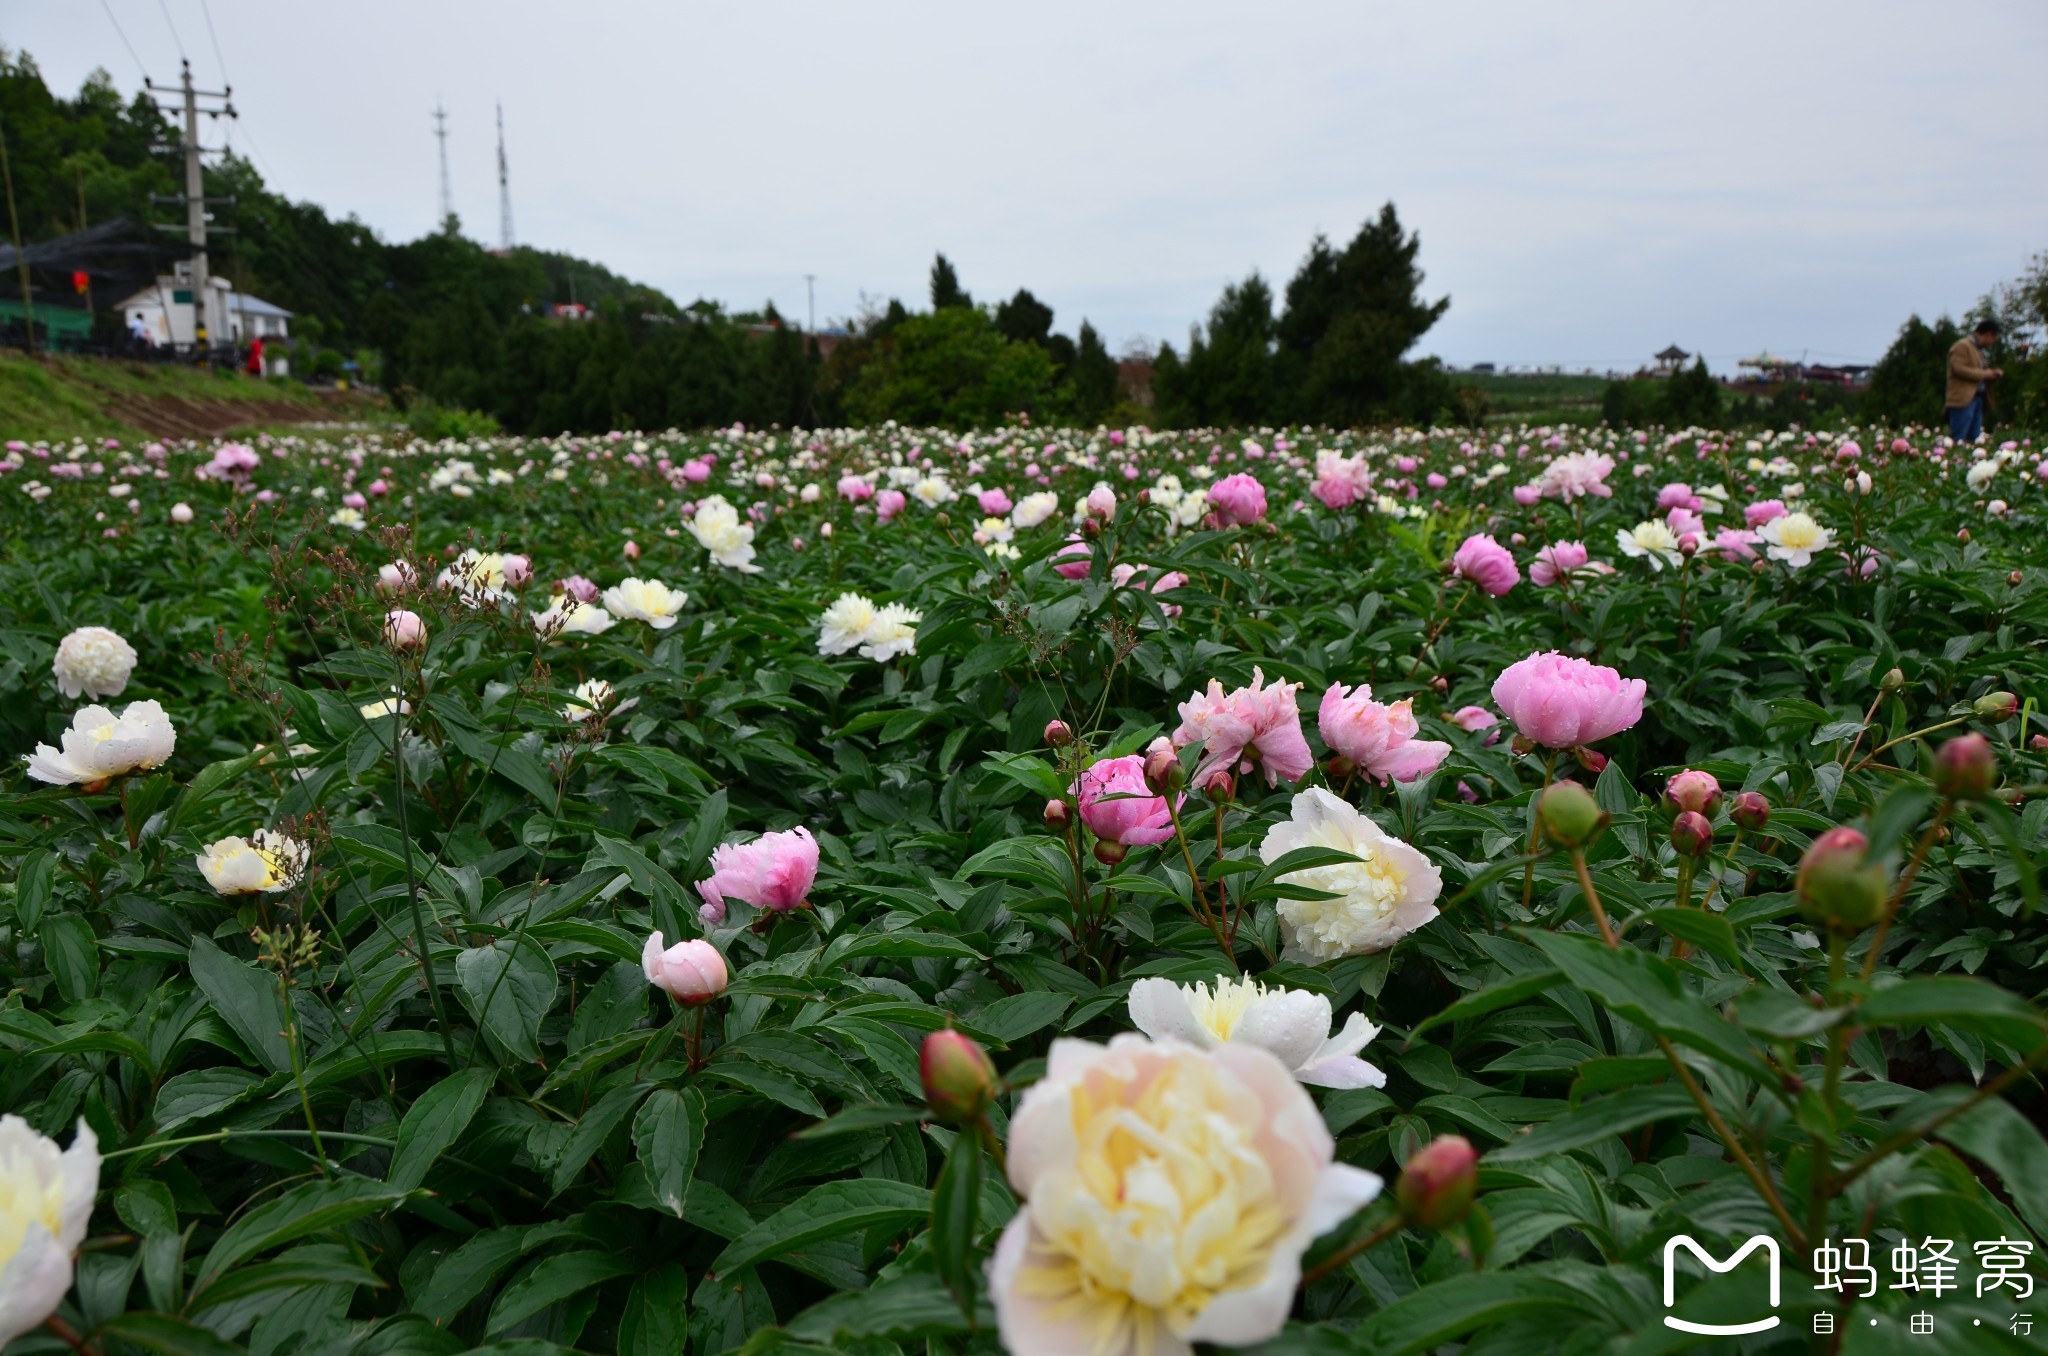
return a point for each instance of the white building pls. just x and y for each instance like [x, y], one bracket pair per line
[166, 311]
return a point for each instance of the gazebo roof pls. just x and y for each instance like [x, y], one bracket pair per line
[1673, 354]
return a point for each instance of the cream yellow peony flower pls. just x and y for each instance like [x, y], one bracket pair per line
[894, 633]
[567, 617]
[1169, 1193]
[100, 745]
[478, 575]
[592, 698]
[645, 600]
[45, 1202]
[1377, 900]
[1293, 1025]
[718, 529]
[846, 623]
[1794, 538]
[263, 863]
[1652, 540]
[93, 662]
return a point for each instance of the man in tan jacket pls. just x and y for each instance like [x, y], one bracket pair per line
[1967, 379]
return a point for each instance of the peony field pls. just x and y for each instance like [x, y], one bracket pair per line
[1048, 891]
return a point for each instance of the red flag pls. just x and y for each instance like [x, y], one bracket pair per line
[81, 282]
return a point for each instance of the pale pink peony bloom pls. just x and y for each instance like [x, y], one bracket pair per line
[1379, 738]
[690, 972]
[855, 489]
[1678, 495]
[1487, 563]
[889, 503]
[580, 589]
[1074, 560]
[1735, 543]
[1340, 481]
[1168, 1195]
[1761, 512]
[1577, 475]
[1525, 495]
[404, 630]
[1137, 818]
[1253, 726]
[1101, 502]
[518, 570]
[1238, 500]
[1474, 719]
[1563, 702]
[775, 871]
[1555, 561]
[994, 503]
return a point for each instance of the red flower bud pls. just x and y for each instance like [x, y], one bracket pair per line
[1750, 811]
[1592, 760]
[1437, 1185]
[1109, 852]
[1058, 815]
[1839, 887]
[959, 1079]
[1058, 733]
[1163, 773]
[1219, 786]
[1692, 833]
[1693, 790]
[1965, 768]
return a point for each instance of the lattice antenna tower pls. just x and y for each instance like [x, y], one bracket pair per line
[441, 135]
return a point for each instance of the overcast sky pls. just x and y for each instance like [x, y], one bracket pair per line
[1591, 181]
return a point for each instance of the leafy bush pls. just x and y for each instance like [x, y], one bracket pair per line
[421, 1097]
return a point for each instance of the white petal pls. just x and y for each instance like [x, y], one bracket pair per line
[81, 1168]
[1356, 1035]
[1160, 1010]
[1342, 1071]
[1341, 1192]
[1292, 1023]
[33, 1283]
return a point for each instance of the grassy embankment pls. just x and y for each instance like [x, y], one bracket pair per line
[51, 396]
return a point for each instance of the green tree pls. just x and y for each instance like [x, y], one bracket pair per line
[1091, 377]
[950, 367]
[1691, 396]
[946, 289]
[1228, 376]
[1350, 319]
[1024, 318]
[1909, 384]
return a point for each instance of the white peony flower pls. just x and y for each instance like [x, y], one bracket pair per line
[893, 633]
[719, 530]
[390, 706]
[1034, 509]
[594, 697]
[93, 662]
[1795, 538]
[100, 745]
[263, 863]
[846, 624]
[1293, 1025]
[1169, 1193]
[1652, 539]
[45, 1203]
[645, 600]
[567, 617]
[1379, 899]
[347, 517]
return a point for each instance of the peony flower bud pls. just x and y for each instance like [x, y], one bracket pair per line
[1109, 852]
[1058, 734]
[1058, 815]
[1692, 833]
[2038, 743]
[1965, 768]
[1997, 706]
[632, 550]
[518, 570]
[691, 972]
[1839, 887]
[1693, 790]
[959, 1079]
[181, 512]
[1163, 773]
[1750, 811]
[1437, 1184]
[1571, 818]
[403, 630]
[1892, 681]
[1219, 786]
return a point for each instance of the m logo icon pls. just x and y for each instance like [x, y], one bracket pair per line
[1707, 1260]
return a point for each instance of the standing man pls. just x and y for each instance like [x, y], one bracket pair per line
[1968, 378]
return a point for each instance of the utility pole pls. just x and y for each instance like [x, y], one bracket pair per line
[194, 196]
[811, 302]
[441, 133]
[504, 188]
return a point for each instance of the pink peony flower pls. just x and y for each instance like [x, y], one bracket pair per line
[1378, 738]
[1525, 495]
[1761, 512]
[1476, 718]
[1555, 561]
[403, 630]
[1101, 502]
[994, 503]
[1735, 543]
[691, 972]
[775, 871]
[1562, 702]
[1487, 563]
[581, 589]
[1074, 560]
[1340, 481]
[1256, 725]
[1239, 500]
[854, 489]
[518, 571]
[889, 503]
[1678, 495]
[1137, 818]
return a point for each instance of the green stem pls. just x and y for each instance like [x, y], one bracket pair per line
[1380, 1234]
[1536, 829]
[1593, 897]
[1910, 734]
[1727, 865]
[1892, 905]
[291, 1041]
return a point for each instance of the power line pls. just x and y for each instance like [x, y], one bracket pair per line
[179, 42]
[214, 38]
[109, 9]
